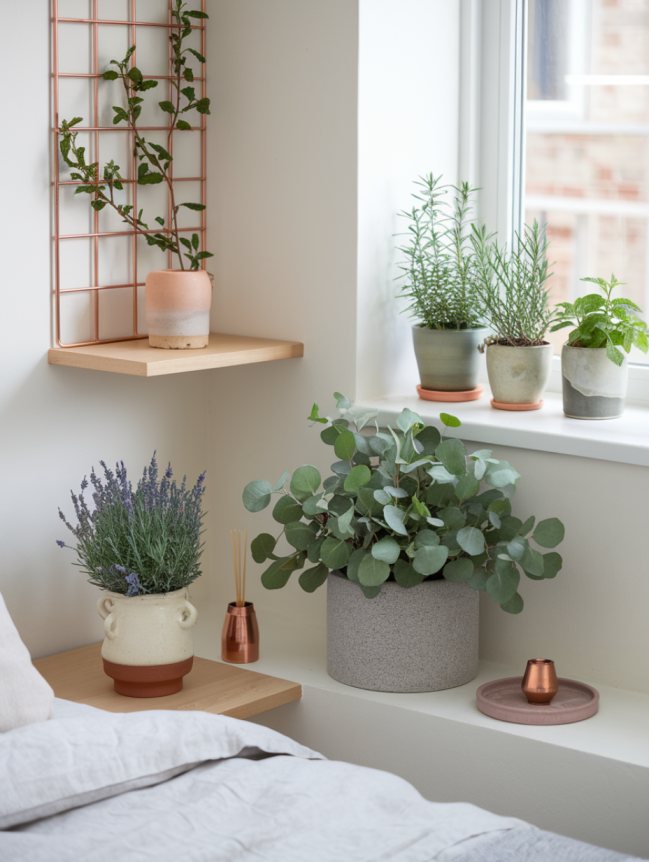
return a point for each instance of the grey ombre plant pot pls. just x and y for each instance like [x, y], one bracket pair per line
[422, 638]
[448, 359]
[593, 386]
[518, 375]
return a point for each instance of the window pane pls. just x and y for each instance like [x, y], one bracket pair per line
[587, 141]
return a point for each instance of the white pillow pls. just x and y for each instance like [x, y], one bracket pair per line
[25, 697]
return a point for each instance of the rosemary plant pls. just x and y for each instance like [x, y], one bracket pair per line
[154, 160]
[439, 268]
[142, 540]
[512, 286]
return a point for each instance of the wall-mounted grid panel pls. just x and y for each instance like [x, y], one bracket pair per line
[100, 262]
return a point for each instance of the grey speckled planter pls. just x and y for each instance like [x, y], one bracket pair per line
[593, 386]
[518, 375]
[448, 359]
[422, 638]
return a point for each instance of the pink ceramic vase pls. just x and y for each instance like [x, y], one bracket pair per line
[178, 308]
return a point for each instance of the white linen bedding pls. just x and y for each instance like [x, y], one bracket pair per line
[92, 786]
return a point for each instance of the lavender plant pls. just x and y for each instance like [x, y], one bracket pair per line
[142, 540]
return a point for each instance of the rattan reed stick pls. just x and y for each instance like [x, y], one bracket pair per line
[239, 543]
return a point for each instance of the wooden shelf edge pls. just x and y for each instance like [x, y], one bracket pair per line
[136, 358]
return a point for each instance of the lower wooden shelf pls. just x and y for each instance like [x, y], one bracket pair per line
[138, 359]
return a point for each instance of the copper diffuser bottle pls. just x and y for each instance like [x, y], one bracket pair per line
[240, 637]
[540, 683]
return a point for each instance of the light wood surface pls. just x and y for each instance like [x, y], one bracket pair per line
[137, 358]
[211, 686]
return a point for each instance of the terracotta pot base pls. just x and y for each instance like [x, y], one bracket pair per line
[156, 680]
[179, 342]
[449, 395]
[504, 405]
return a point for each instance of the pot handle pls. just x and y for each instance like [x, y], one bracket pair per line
[105, 606]
[187, 616]
[110, 626]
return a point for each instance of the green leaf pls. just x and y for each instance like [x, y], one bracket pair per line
[305, 482]
[110, 75]
[197, 54]
[203, 106]
[183, 125]
[386, 549]
[166, 106]
[354, 562]
[394, 518]
[527, 526]
[452, 454]
[277, 574]
[459, 571]
[149, 179]
[503, 583]
[358, 476]
[532, 563]
[195, 13]
[429, 437]
[614, 354]
[189, 93]
[345, 445]
[370, 592]
[407, 419]
[513, 605]
[426, 539]
[147, 85]
[262, 547]
[471, 540]
[467, 487]
[449, 420]
[311, 579]
[256, 495]
[430, 559]
[454, 518]
[516, 548]
[501, 474]
[193, 206]
[188, 75]
[405, 575]
[335, 553]
[134, 74]
[549, 533]
[300, 535]
[373, 572]
[552, 563]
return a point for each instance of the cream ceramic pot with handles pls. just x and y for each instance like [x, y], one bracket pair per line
[148, 645]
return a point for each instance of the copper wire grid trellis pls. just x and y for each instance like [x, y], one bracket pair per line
[94, 129]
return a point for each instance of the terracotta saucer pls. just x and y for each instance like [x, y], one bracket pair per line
[503, 699]
[448, 395]
[505, 405]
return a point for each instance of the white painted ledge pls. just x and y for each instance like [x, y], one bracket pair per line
[624, 440]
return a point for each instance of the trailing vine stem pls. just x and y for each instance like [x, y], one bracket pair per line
[154, 160]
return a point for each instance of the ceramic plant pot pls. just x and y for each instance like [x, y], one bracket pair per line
[593, 386]
[518, 375]
[448, 359]
[178, 308]
[422, 638]
[148, 645]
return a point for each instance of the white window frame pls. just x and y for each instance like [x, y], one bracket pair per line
[492, 123]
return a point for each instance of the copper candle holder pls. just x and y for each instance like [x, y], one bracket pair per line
[540, 683]
[240, 636]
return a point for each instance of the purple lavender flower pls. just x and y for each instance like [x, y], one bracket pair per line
[60, 543]
[134, 585]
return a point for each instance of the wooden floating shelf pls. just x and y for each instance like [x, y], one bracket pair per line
[138, 359]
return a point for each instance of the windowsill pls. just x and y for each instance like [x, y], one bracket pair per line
[624, 440]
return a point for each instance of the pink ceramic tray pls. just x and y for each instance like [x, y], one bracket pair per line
[451, 395]
[504, 700]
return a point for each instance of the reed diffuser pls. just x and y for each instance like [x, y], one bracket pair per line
[240, 636]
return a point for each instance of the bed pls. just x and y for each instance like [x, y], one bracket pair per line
[91, 785]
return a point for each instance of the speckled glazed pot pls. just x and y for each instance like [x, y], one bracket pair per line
[422, 638]
[593, 386]
[448, 359]
[178, 308]
[518, 375]
[148, 646]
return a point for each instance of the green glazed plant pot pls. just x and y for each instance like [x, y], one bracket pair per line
[421, 638]
[448, 359]
[518, 375]
[593, 386]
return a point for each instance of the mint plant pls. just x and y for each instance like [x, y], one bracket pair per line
[599, 320]
[403, 503]
[154, 160]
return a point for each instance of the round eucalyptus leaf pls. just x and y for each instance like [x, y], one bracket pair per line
[426, 538]
[300, 535]
[381, 496]
[399, 493]
[502, 474]
[311, 579]
[516, 548]
[405, 575]
[549, 533]
[370, 592]
[460, 570]
[305, 482]
[407, 419]
[372, 572]
[435, 522]
[386, 549]
[452, 454]
[341, 468]
[532, 563]
[262, 546]
[429, 559]
[277, 574]
[449, 420]
[345, 445]
[429, 438]
[313, 551]
[513, 605]
[467, 487]
[313, 506]
[354, 562]
[358, 476]
[527, 526]
[286, 509]
[394, 518]
[471, 540]
[552, 562]
[283, 479]
[503, 582]
[256, 495]
[335, 553]
[329, 435]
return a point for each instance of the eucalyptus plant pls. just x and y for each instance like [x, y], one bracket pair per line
[512, 284]
[439, 270]
[403, 503]
[155, 161]
[599, 320]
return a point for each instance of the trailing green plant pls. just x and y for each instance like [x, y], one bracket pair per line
[155, 161]
[139, 540]
[402, 503]
[599, 320]
[439, 270]
[512, 286]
